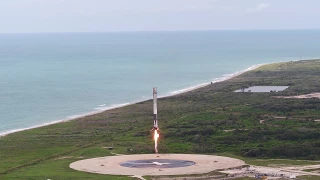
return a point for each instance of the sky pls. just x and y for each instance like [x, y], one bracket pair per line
[33, 16]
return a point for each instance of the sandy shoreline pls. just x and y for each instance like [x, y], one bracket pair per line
[75, 117]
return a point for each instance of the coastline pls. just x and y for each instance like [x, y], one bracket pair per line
[192, 123]
[103, 109]
[216, 80]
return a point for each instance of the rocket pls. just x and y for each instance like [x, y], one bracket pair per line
[155, 127]
[155, 116]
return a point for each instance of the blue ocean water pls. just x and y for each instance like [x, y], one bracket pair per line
[50, 77]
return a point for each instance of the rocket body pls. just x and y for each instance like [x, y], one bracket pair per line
[155, 120]
[155, 111]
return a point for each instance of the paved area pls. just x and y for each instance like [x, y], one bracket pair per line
[111, 164]
[156, 163]
[274, 172]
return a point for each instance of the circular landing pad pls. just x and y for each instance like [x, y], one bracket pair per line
[157, 163]
[112, 164]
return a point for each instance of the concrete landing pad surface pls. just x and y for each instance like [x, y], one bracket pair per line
[111, 164]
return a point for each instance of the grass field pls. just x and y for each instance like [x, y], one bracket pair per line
[191, 122]
[271, 162]
[309, 177]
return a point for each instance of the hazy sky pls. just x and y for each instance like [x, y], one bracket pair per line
[156, 15]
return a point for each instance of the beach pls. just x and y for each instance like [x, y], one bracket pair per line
[194, 122]
[76, 74]
[103, 109]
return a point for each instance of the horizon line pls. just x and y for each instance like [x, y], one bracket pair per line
[147, 31]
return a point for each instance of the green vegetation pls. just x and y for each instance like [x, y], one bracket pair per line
[308, 177]
[210, 175]
[310, 170]
[271, 162]
[192, 122]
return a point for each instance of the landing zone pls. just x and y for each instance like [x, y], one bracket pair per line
[151, 164]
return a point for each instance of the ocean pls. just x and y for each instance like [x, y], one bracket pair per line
[51, 77]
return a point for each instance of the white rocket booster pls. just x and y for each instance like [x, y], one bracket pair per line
[155, 113]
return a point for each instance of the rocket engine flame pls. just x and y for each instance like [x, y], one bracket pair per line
[155, 121]
[156, 136]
